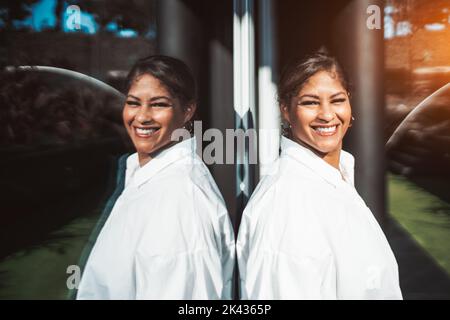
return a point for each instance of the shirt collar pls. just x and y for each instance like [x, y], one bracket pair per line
[318, 165]
[137, 175]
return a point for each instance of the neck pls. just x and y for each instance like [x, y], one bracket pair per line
[333, 158]
[144, 158]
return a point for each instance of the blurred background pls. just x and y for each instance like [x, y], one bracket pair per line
[63, 65]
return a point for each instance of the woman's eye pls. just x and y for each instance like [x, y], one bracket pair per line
[133, 103]
[308, 103]
[336, 101]
[161, 105]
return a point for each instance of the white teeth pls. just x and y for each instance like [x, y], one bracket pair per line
[148, 132]
[326, 129]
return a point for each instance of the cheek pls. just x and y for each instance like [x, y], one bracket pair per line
[127, 115]
[302, 117]
[345, 113]
[169, 118]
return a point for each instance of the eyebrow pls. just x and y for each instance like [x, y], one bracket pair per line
[309, 96]
[134, 97]
[317, 97]
[160, 97]
[337, 93]
[152, 99]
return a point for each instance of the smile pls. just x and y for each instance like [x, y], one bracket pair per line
[325, 130]
[145, 132]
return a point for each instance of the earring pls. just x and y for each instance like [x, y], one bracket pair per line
[351, 121]
[189, 126]
[285, 128]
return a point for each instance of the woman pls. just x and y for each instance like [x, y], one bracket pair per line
[168, 235]
[306, 233]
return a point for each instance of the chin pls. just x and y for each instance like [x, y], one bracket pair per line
[145, 148]
[326, 147]
[150, 148]
[326, 150]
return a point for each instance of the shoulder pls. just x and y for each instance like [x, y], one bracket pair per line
[284, 217]
[192, 179]
[287, 188]
[264, 192]
[184, 194]
[293, 197]
[183, 216]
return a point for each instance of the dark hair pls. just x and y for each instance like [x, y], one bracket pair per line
[297, 74]
[174, 74]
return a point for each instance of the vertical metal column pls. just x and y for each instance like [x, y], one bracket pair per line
[220, 81]
[244, 95]
[361, 50]
[268, 111]
[179, 33]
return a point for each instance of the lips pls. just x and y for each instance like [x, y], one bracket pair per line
[145, 132]
[327, 130]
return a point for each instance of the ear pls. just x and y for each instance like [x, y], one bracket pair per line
[284, 110]
[189, 112]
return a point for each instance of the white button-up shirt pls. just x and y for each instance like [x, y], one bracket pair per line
[307, 234]
[168, 236]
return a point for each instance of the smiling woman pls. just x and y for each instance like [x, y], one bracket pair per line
[168, 235]
[320, 115]
[314, 100]
[306, 233]
[159, 101]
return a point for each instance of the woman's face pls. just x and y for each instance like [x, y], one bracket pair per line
[320, 114]
[151, 114]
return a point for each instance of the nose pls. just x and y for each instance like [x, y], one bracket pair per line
[326, 112]
[144, 115]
